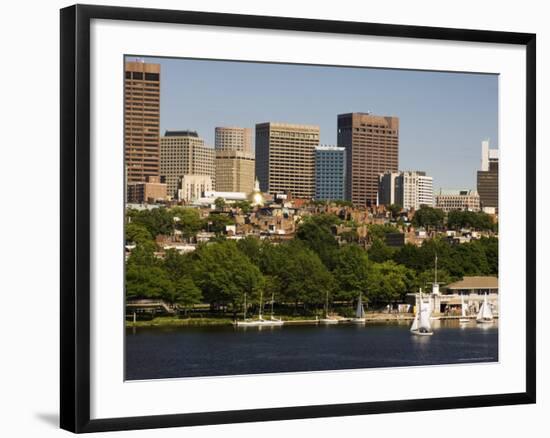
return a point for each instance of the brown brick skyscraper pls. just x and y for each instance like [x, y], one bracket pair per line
[142, 120]
[372, 148]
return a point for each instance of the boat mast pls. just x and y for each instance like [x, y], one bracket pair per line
[244, 307]
[272, 302]
[260, 311]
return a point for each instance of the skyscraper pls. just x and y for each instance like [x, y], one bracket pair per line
[372, 148]
[184, 153]
[233, 139]
[487, 178]
[285, 158]
[141, 120]
[234, 171]
[409, 189]
[235, 167]
[329, 173]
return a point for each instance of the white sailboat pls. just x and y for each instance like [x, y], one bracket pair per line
[328, 319]
[464, 318]
[359, 311]
[421, 324]
[485, 314]
[260, 322]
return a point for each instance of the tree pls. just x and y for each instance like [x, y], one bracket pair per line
[216, 223]
[224, 274]
[244, 206]
[428, 217]
[177, 265]
[137, 233]
[186, 293]
[158, 221]
[187, 220]
[304, 278]
[147, 282]
[388, 282]
[351, 272]
[469, 219]
[143, 255]
[251, 246]
[394, 210]
[379, 252]
[315, 232]
[219, 203]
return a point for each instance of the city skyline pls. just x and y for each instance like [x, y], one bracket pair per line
[433, 107]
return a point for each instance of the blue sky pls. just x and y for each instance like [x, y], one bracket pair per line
[443, 116]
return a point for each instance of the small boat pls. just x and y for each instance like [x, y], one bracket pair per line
[421, 324]
[359, 312]
[485, 314]
[464, 318]
[328, 319]
[260, 322]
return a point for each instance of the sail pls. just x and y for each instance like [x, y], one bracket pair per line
[487, 313]
[414, 325]
[480, 312]
[360, 311]
[424, 318]
[463, 306]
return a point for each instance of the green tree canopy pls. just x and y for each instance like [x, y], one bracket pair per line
[187, 220]
[351, 272]
[224, 274]
[148, 282]
[428, 217]
[380, 252]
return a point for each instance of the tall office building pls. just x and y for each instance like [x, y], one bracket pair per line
[233, 139]
[409, 189]
[415, 189]
[234, 171]
[285, 158]
[184, 153]
[329, 173]
[487, 178]
[235, 167]
[141, 120]
[372, 148]
[387, 189]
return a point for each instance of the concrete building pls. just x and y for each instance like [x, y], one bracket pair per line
[414, 189]
[409, 189]
[387, 189]
[235, 171]
[184, 153]
[464, 200]
[141, 120]
[233, 139]
[487, 178]
[330, 173]
[149, 191]
[285, 158]
[372, 148]
[194, 186]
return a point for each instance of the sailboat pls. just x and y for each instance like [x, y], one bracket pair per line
[359, 311]
[464, 318]
[328, 319]
[485, 314]
[421, 325]
[260, 322]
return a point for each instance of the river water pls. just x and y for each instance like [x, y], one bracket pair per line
[153, 353]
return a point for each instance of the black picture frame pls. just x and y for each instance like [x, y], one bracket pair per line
[75, 217]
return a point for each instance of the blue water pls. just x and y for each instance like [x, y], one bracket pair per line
[153, 353]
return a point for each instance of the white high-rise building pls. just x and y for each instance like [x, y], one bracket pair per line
[410, 189]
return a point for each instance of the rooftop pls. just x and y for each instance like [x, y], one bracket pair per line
[475, 283]
[184, 133]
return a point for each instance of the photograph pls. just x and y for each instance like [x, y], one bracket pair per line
[287, 218]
